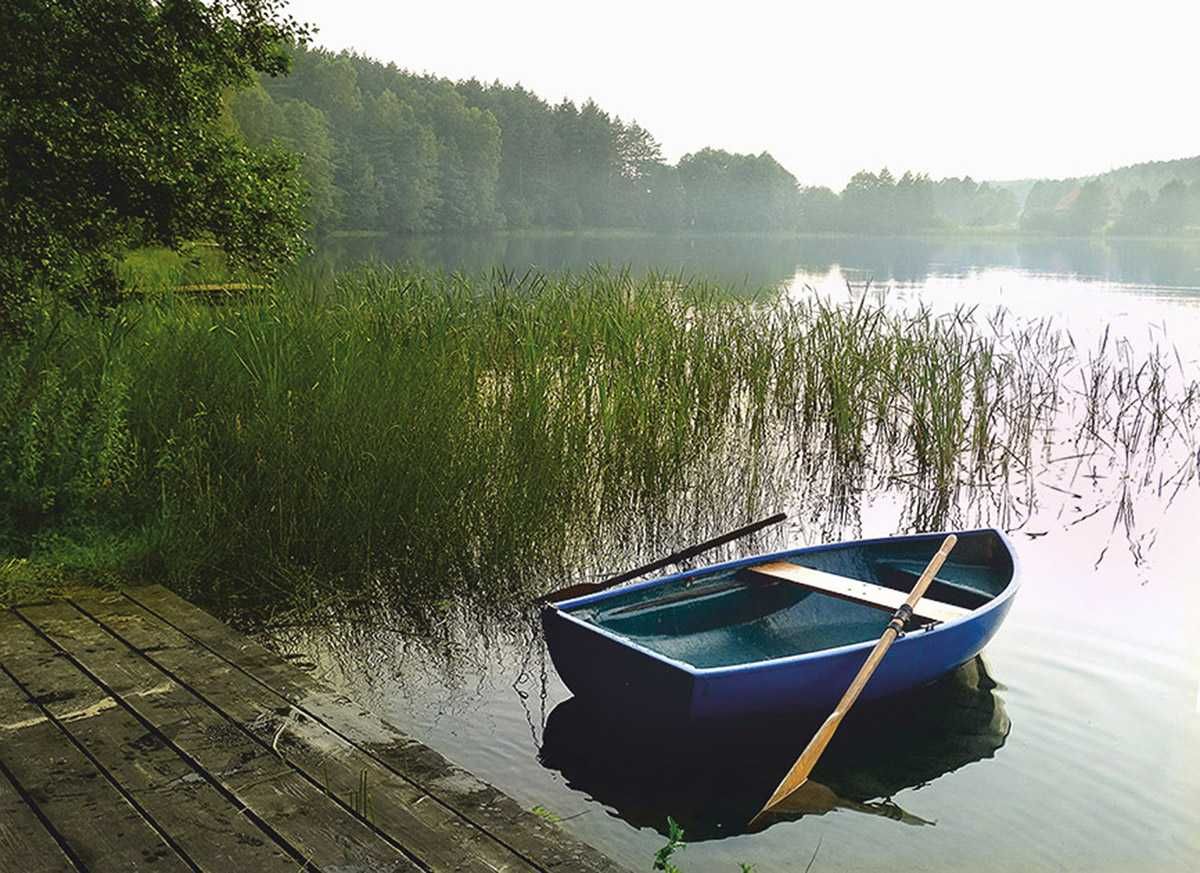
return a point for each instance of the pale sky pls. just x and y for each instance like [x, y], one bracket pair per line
[1003, 89]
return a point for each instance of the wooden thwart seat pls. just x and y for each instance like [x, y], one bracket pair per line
[858, 591]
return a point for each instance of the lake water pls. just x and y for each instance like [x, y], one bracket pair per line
[1130, 282]
[1073, 744]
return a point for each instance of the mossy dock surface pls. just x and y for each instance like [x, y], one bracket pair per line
[138, 732]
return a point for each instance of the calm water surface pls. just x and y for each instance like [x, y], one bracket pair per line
[1073, 744]
[1131, 282]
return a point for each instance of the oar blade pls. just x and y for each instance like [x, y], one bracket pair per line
[797, 777]
[798, 774]
[809, 797]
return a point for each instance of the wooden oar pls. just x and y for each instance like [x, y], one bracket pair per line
[593, 587]
[798, 775]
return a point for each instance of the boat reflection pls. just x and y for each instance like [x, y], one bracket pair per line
[713, 781]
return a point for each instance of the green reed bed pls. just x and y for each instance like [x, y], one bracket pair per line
[406, 435]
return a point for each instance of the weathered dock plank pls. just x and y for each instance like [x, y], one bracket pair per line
[105, 831]
[320, 830]
[436, 837]
[545, 844]
[212, 833]
[137, 732]
[25, 843]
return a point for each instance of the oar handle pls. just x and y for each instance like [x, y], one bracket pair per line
[804, 765]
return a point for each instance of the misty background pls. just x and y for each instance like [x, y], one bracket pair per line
[460, 117]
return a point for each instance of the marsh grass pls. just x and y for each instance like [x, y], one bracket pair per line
[400, 436]
[158, 270]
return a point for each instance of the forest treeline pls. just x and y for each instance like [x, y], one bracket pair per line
[386, 150]
[1082, 207]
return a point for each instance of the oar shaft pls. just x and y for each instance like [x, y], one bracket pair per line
[595, 587]
[692, 551]
[804, 765]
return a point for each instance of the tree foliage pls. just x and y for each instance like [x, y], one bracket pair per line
[1074, 207]
[413, 153]
[112, 133]
[737, 192]
[1174, 207]
[967, 203]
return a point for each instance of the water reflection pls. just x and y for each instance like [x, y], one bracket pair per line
[774, 260]
[714, 782]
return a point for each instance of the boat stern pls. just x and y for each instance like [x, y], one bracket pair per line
[612, 675]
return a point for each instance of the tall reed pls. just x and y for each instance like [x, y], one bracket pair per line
[404, 435]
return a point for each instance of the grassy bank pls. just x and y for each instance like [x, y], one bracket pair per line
[408, 436]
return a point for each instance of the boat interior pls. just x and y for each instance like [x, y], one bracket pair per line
[743, 616]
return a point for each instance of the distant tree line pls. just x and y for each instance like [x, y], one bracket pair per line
[1083, 208]
[384, 149]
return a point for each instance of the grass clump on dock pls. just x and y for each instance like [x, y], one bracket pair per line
[408, 435]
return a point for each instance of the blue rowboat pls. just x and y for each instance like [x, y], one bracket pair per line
[731, 640]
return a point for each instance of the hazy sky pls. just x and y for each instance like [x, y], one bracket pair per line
[997, 90]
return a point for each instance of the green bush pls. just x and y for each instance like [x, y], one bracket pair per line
[67, 455]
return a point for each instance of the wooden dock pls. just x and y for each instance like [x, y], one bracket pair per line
[139, 733]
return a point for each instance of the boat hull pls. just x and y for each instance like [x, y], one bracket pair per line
[615, 674]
